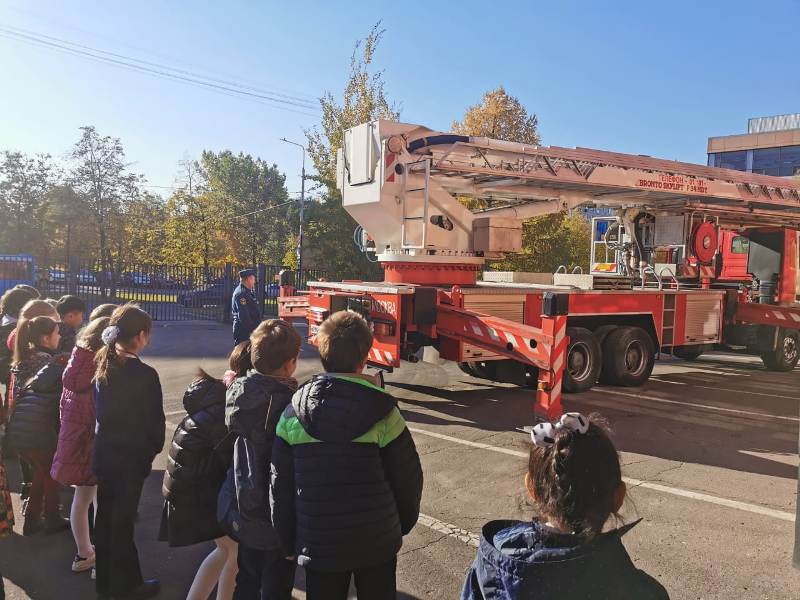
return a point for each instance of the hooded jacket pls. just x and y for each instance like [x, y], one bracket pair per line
[72, 464]
[198, 459]
[253, 406]
[346, 479]
[531, 561]
[34, 423]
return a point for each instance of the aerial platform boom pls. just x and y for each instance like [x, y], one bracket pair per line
[402, 184]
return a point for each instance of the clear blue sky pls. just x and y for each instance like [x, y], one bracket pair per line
[643, 77]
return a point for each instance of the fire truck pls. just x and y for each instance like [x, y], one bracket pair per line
[692, 258]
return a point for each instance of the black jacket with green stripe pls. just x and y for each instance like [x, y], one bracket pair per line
[346, 480]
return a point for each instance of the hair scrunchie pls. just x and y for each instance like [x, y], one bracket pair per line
[544, 434]
[110, 335]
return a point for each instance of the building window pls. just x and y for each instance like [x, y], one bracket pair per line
[767, 161]
[732, 160]
[790, 161]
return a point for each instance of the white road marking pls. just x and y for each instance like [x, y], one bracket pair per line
[660, 379]
[479, 445]
[749, 413]
[175, 412]
[462, 535]
[736, 504]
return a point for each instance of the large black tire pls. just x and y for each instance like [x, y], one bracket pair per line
[688, 352]
[466, 368]
[583, 361]
[481, 370]
[628, 357]
[785, 356]
[601, 333]
[484, 370]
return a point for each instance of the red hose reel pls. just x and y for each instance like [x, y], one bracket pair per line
[704, 242]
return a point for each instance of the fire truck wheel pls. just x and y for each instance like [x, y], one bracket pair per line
[785, 356]
[584, 359]
[481, 370]
[601, 333]
[628, 357]
[688, 352]
[466, 367]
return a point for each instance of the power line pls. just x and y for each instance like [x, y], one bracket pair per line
[61, 24]
[308, 102]
[156, 70]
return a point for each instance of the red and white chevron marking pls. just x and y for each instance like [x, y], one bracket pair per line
[381, 356]
[765, 314]
[388, 170]
[789, 316]
[513, 342]
[558, 357]
[703, 271]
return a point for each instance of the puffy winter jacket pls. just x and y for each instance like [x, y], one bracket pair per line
[199, 457]
[346, 480]
[24, 371]
[254, 405]
[72, 464]
[531, 561]
[34, 421]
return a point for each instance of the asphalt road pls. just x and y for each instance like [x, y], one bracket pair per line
[709, 448]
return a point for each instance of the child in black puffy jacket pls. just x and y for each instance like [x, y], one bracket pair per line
[199, 457]
[33, 428]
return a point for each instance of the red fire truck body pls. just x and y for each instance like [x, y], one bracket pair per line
[697, 258]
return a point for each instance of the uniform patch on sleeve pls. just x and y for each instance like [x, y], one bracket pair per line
[243, 301]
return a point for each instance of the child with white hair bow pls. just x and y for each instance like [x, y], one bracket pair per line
[574, 478]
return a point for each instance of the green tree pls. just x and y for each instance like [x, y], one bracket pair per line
[251, 199]
[68, 224]
[329, 227]
[24, 184]
[139, 232]
[100, 175]
[550, 241]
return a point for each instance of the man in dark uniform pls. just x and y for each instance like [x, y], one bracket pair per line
[244, 309]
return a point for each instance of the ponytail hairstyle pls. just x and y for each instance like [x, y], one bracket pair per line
[29, 333]
[126, 322]
[239, 360]
[90, 337]
[575, 477]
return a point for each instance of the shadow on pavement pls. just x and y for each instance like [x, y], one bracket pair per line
[735, 437]
[40, 565]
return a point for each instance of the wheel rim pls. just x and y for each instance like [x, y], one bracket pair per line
[635, 358]
[790, 348]
[579, 361]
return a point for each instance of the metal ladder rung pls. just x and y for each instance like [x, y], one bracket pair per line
[424, 217]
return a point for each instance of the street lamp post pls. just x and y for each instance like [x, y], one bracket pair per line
[302, 207]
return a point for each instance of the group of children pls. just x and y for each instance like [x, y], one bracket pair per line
[323, 475]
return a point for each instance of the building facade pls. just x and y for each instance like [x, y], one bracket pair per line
[771, 146]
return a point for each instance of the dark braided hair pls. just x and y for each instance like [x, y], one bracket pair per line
[575, 481]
